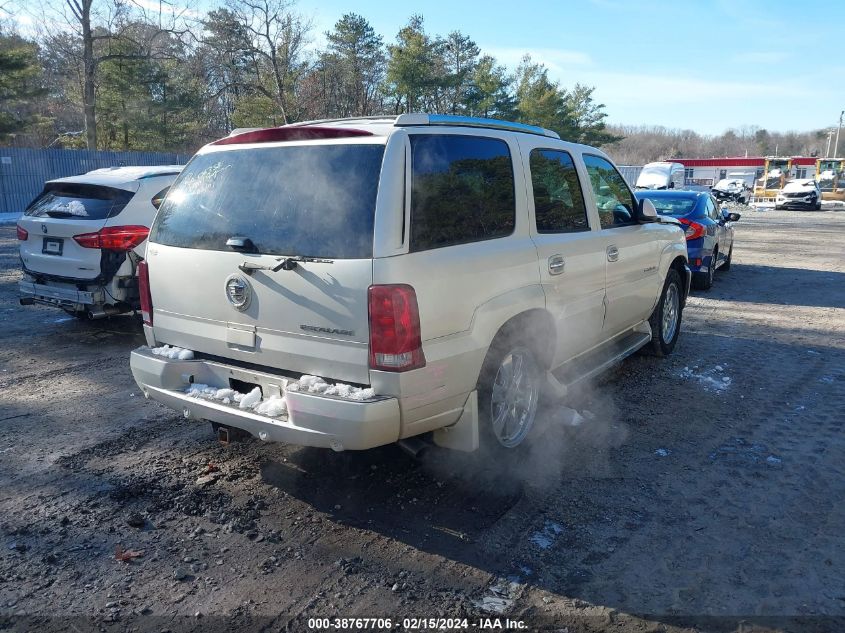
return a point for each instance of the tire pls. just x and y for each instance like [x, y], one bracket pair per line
[508, 394]
[819, 205]
[663, 339]
[726, 265]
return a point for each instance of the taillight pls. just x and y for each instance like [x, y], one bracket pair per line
[23, 234]
[694, 230]
[144, 291]
[114, 238]
[395, 340]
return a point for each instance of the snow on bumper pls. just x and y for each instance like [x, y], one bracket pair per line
[311, 419]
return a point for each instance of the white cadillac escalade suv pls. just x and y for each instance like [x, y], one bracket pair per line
[352, 283]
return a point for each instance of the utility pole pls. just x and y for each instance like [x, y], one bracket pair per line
[838, 130]
[829, 139]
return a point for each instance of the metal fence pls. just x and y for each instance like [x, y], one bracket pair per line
[630, 173]
[23, 171]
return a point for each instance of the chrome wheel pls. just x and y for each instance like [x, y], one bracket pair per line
[513, 399]
[671, 313]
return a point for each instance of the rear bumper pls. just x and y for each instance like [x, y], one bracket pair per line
[699, 254]
[61, 296]
[311, 419]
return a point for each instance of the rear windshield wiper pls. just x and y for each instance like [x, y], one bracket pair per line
[284, 263]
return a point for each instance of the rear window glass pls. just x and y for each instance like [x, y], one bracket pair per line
[311, 200]
[78, 201]
[671, 206]
[462, 190]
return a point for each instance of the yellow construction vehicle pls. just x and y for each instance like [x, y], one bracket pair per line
[774, 177]
[830, 174]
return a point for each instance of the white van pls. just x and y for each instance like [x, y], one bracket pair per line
[661, 176]
[347, 284]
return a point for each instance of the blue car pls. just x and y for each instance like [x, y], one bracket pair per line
[709, 230]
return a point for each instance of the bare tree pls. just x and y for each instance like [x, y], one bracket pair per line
[278, 39]
[99, 24]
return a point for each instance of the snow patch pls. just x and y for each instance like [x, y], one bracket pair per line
[501, 596]
[707, 378]
[74, 207]
[661, 452]
[275, 406]
[250, 400]
[173, 352]
[314, 384]
[546, 537]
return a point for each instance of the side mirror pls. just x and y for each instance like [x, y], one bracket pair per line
[731, 217]
[646, 211]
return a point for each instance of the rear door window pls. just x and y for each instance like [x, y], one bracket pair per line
[462, 190]
[558, 200]
[310, 200]
[78, 201]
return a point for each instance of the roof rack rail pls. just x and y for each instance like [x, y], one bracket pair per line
[348, 119]
[413, 119]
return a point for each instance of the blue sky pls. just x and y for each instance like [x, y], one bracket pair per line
[706, 65]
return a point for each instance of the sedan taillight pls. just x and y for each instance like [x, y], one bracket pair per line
[23, 234]
[694, 230]
[114, 238]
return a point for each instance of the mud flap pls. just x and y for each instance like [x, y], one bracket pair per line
[463, 434]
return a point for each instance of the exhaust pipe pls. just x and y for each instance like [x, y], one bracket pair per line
[414, 446]
[102, 312]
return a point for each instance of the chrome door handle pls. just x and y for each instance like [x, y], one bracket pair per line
[556, 264]
[612, 253]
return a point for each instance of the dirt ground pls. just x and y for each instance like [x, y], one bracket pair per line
[705, 492]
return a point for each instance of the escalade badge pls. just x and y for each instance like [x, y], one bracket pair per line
[238, 292]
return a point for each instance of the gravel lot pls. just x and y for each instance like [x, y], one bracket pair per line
[704, 494]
